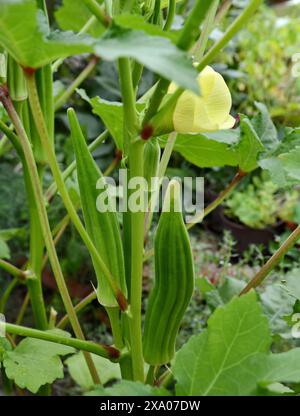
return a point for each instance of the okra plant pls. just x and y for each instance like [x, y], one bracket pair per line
[187, 110]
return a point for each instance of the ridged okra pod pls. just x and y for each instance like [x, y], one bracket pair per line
[174, 281]
[103, 227]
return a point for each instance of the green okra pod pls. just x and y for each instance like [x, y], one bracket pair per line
[174, 281]
[103, 227]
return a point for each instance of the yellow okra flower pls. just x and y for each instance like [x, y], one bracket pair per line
[207, 112]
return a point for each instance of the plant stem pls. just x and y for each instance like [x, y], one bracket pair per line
[6, 294]
[78, 308]
[170, 15]
[135, 230]
[137, 247]
[151, 375]
[98, 12]
[40, 124]
[22, 309]
[87, 346]
[43, 218]
[235, 27]
[200, 45]
[220, 198]
[63, 98]
[51, 191]
[12, 270]
[273, 261]
[191, 27]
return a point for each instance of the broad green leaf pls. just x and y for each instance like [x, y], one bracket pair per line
[262, 370]
[111, 114]
[80, 373]
[235, 332]
[280, 163]
[210, 149]
[34, 362]
[129, 388]
[5, 345]
[276, 171]
[25, 34]
[249, 146]
[156, 53]
[278, 301]
[73, 15]
[265, 127]
[291, 163]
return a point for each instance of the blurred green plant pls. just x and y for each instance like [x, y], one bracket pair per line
[259, 65]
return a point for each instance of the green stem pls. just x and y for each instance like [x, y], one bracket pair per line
[43, 218]
[135, 231]
[12, 270]
[137, 247]
[34, 282]
[51, 191]
[22, 311]
[170, 15]
[40, 124]
[6, 294]
[87, 346]
[190, 29]
[220, 198]
[235, 27]
[78, 308]
[114, 318]
[201, 44]
[63, 98]
[273, 261]
[98, 12]
[151, 375]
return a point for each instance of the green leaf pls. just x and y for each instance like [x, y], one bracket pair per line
[24, 33]
[5, 345]
[80, 373]
[129, 388]
[209, 149]
[156, 53]
[262, 370]
[265, 127]
[235, 332]
[291, 163]
[34, 362]
[111, 114]
[249, 146]
[280, 163]
[73, 15]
